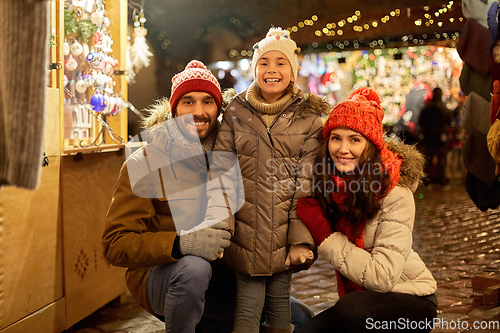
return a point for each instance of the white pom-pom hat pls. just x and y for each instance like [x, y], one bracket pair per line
[277, 39]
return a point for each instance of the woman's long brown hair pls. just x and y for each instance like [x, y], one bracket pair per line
[359, 206]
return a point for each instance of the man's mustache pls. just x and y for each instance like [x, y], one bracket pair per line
[200, 119]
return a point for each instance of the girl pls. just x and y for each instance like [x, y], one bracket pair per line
[275, 130]
[361, 217]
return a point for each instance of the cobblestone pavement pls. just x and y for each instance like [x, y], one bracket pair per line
[455, 239]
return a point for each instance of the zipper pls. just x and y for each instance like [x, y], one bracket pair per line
[270, 138]
[256, 113]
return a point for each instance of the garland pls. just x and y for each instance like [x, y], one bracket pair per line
[84, 27]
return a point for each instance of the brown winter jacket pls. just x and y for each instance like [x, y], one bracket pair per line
[139, 231]
[276, 165]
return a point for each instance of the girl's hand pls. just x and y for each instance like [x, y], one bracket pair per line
[310, 213]
[298, 255]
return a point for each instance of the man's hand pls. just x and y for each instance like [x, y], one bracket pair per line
[208, 243]
[222, 225]
[298, 255]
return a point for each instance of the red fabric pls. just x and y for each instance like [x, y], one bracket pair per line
[309, 212]
[344, 285]
[341, 190]
[195, 77]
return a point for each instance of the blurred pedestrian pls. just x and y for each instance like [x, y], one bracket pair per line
[435, 127]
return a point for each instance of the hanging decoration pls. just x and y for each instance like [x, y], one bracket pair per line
[138, 53]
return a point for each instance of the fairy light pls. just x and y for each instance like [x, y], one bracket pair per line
[336, 29]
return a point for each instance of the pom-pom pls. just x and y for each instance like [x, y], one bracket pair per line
[277, 32]
[367, 93]
[196, 64]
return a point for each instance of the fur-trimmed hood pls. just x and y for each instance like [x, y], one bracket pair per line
[412, 168]
[310, 103]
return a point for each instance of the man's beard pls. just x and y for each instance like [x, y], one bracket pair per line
[212, 126]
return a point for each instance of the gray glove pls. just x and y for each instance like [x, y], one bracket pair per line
[223, 225]
[207, 243]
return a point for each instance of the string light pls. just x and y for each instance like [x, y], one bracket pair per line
[332, 29]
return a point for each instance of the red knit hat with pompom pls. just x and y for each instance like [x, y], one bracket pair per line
[195, 77]
[362, 113]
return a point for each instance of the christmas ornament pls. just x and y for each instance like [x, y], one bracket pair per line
[97, 37]
[106, 44]
[111, 105]
[65, 80]
[97, 102]
[76, 49]
[66, 48]
[100, 81]
[139, 52]
[81, 86]
[110, 65]
[86, 50]
[105, 22]
[119, 105]
[97, 18]
[71, 63]
[95, 59]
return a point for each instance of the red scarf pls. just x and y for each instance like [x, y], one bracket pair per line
[344, 285]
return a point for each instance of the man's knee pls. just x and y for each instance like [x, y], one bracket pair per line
[193, 273]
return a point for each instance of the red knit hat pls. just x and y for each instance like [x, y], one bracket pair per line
[195, 77]
[362, 113]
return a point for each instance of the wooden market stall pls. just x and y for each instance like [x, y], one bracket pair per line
[53, 272]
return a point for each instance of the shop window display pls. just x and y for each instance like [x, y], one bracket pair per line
[89, 75]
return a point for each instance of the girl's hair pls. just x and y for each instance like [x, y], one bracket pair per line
[363, 200]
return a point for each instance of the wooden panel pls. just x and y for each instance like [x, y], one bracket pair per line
[481, 282]
[88, 183]
[31, 242]
[52, 143]
[50, 319]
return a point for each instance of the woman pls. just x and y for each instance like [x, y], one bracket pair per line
[361, 216]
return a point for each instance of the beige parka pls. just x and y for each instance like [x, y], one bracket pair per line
[387, 263]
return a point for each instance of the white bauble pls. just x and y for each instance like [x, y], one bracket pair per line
[86, 50]
[96, 18]
[81, 86]
[76, 49]
[66, 48]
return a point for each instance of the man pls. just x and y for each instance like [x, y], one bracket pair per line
[173, 271]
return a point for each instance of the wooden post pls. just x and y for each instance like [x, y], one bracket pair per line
[117, 11]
